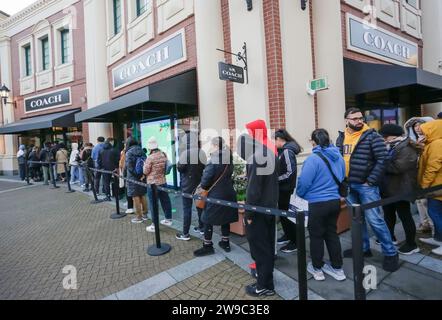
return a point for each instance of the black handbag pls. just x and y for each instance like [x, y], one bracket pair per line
[343, 185]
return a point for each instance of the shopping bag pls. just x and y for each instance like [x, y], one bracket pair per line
[298, 204]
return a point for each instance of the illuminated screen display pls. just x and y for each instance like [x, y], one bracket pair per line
[162, 131]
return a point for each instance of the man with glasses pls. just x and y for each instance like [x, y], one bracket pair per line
[364, 152]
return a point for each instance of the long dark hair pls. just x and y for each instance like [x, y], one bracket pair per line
[130, 142]
[285, 135]
[321, 138]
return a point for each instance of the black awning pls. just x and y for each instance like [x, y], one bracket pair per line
[154, 98]
[417, 85]
[60, 119]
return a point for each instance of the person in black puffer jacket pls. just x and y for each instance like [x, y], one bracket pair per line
[400, 174]
[108, 159]
[365, 152]
[288, 148]
[191, 163]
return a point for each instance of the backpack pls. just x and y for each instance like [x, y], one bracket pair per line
[139, 164]
[168, 166]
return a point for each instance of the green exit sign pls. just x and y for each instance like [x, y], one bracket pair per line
[319, 84]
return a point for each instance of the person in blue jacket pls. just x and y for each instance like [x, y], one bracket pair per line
[317, 186]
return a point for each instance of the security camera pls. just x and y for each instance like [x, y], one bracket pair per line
[249, 5]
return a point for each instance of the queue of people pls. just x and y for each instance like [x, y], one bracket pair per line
[374, 165]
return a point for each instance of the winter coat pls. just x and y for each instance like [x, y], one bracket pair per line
[155, 168]
[34, 156]
[73, 159]
[62, 157]
[316, 183]
[408, 126]
[400, 175]
[21, 155]
[46, 156]
[258, 131]
[262, 174]
[215, 214]
[367, 159]
[133, 190]
[108, 158]
[430, 162]
[288, 167]
[96, 151]
[86, 157]
[191, 164]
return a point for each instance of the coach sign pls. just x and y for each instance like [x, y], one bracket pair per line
[230, 72]
[379, 43]
[159, 57]
[54, 99]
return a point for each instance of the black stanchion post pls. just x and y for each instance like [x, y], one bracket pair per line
[159, 248]
[92, 176]
[68, 178]
[27, 172]
[358, 255]
[117, 215]
[52, 173]
[302, 256]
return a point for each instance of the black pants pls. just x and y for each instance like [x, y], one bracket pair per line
[261, 236]
[403, 210]
[208, 231]
[107, 179]
[97, 179]
[322, 220]
[288, 226]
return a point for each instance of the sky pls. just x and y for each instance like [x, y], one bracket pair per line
[13, 6]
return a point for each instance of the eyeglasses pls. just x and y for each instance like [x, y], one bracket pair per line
[356, 119]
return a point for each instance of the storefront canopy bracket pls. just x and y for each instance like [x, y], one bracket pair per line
[241, 56]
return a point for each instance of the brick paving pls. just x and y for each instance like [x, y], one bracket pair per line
[223, 281]
[44, 230]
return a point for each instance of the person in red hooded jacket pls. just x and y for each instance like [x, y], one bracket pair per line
[262, 190]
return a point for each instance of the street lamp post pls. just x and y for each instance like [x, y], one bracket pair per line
[4, 93]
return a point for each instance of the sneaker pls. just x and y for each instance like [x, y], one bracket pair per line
[130, 211]
[166, 222]
[290, 247]
[198, 230]
[136, 220]
[144, 217]
[391, 263]
[395, 242]
[107, 199]
[150, 228]
[317, 274]
[337, 274]
[86, 190]
[206, 250]
[431, 241]
[437, 251]
[254, 291]
[182, 236]
[225, 245]
[407, 249]
[283, 240]
[349, 253]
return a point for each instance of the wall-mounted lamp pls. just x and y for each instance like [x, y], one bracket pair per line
[249, 5]
[304, 4]
[4, 94]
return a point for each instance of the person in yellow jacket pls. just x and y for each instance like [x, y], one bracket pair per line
[430, 175]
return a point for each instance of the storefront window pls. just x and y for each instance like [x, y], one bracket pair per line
[376, 118]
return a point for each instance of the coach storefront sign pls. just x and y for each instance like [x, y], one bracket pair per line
[54, 99]
[162, 55]
[379, 43]
[230, 72]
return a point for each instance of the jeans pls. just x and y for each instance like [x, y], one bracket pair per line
[322, 225]
[75, 173]
[362, 194]
[48, 173]
[187, 215]
[107, 179]
[165, 202]
[22, 171]
[403, 210]
[435, 213]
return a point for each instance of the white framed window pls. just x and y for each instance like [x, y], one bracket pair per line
[63, 42]
[26, 57]
[43, 46]
[413, 3]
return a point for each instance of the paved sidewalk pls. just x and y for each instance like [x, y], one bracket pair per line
[44, 230]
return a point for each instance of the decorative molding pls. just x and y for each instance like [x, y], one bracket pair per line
[358, 4]
[64, 73]
[388, 12]
[141, 29]
[44, 79]
[411, 20]
[172, 12]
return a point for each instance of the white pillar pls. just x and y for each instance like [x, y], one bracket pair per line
[96, 68]
[329, 58]
[211, 90]
[432, 38]
[298, 70]
[8, 159]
